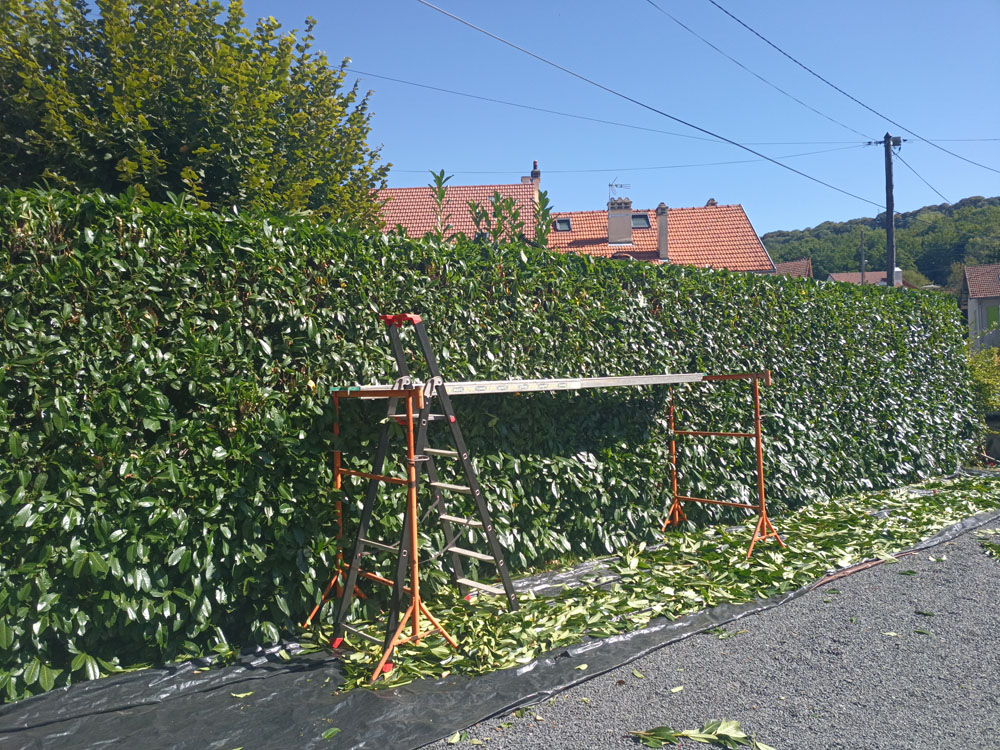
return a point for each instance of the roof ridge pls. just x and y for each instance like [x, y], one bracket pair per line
[520, 185]
[653, 210]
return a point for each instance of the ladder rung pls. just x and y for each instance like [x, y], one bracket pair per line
[357, 631]
[441, 452]
[430, 417]
[452, 487]
[495, 590]
[470, 553]
[380, 545]
[462, 521]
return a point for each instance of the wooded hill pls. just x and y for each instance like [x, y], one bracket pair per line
[934, 240]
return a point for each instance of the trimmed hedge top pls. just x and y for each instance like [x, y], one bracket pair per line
[165, 473]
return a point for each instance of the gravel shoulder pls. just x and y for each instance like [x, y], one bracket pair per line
[842, 668]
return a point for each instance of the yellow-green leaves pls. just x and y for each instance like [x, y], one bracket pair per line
[182, 102]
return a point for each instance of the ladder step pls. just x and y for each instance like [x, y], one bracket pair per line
[441, 452]
[380, 545]
[452, 487]
[356, 631]
[495, 590]
[470, 553]
[462, 521]
[430, 417]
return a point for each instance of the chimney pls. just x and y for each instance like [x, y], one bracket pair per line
[535, 178]
[661, 228]
[620, 221]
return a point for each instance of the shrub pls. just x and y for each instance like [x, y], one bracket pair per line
[984, 368]
[165, 473]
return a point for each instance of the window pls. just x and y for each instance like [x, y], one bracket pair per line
[640, 221]
[562, 225]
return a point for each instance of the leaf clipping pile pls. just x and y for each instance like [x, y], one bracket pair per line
[693, 569]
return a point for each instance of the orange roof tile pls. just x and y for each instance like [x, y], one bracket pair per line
[983, 281]
[414, 208]
[706, 236]
[802, 268]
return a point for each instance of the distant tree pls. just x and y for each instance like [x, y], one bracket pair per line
[930, 240]
[914, 277]
[956, 277]
[177, 96]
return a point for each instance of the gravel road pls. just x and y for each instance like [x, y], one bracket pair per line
[842, 668]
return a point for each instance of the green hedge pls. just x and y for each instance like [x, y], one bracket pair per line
[165, 473]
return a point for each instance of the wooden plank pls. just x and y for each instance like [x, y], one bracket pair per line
[474, 387]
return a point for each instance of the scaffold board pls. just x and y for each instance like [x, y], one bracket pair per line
[475, 387]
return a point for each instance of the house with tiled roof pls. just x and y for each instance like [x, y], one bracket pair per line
[710, 236]
[415, 211]
[801, 268]
[981, 296]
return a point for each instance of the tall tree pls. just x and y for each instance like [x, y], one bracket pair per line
[177, 95]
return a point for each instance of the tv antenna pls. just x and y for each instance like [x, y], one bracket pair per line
[614, 187]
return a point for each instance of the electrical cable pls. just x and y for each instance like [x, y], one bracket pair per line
[852, 98]
[646, 106]
[635, 169]
[585, 117]
[755, 75]
[905, 164]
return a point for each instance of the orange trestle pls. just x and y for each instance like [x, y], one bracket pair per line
[764, 529]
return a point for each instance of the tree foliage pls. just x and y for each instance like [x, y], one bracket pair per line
[177, 96]
[930, 240]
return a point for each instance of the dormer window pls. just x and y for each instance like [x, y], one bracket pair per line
[562, 225]
[640, 221]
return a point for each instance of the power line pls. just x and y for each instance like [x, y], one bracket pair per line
[534, 109]
[644, 105]
[585, 117]
[905, 164]
[636, 169]
[755, 75]
[852, 98]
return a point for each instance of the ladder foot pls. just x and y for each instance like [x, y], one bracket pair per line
[388, 667]
[335, 642]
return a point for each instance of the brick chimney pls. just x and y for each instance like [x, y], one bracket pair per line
[661, 231]
[535, 178]
[620, 221]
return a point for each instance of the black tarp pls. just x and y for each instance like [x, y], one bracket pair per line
[291, 702]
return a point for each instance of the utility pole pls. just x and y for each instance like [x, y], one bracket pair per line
[890, 212]
[862, 257]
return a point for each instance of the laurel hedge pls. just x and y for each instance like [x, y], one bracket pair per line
[165, 433]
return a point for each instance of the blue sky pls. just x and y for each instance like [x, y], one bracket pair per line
[931, 67]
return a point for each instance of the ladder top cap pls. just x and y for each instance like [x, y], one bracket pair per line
[400, 320]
